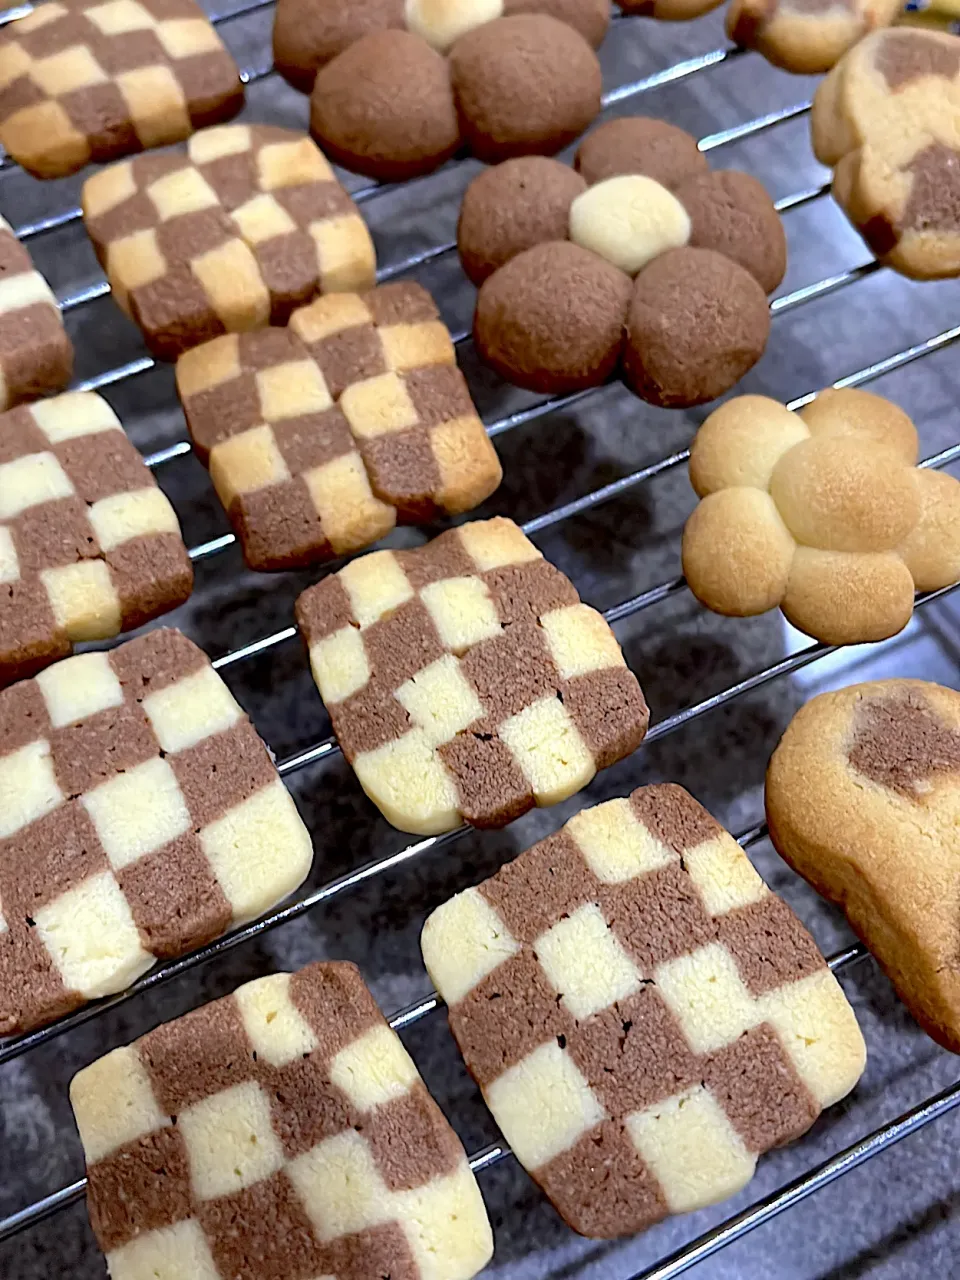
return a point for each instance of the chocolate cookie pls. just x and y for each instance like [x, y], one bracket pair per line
[89, 545]
[140, 816]
[643, 1016]
[321, 436]
[668, 268]
[466, 681]
[862, 800]
[36, 356]
[806, 36]
[228, 234]
[821, 512]
[85, 81]
[280, 1131]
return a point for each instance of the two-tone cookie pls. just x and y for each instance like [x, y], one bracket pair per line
[281, 1131]
[466, 681]
[322, 436]
[89, 544]
[806, 36]
[36, 356]
[863, 799]
[230, 233]
[643, 1016]
[92, 80]
[140, 816]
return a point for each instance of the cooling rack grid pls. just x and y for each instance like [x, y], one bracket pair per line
[884, 355]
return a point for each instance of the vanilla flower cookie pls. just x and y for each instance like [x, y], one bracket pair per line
[36, 356]
[806, 37]
[643, 1016]
[280, 1131]
[465, 680]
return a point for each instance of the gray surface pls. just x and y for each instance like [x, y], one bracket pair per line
[890, 1219]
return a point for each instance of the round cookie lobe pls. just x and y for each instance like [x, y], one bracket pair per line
[552, 318]
[590, 17]
[841, 597]
[732, 213]
[308, 33]
[737, 552]
[741, 442]
[524, 85]
[629, 220]
[441, 22]
[640, 144]
[846, 411]
[512, 207]
[384, 107]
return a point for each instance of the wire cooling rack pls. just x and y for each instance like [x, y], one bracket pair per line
[768, 1207]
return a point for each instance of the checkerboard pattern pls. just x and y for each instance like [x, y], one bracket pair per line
[140, 816]
[36, 356]
[228, 234]
[643, 1016]
[322, 436]
[89, 545]
[466, 681]
[282, 1132]
[92, 80]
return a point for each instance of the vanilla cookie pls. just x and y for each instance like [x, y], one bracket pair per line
[822, 512]
[322, 436]
[230, 233]
[863, 798]
[803, 37]
[36, 356]
[280, 1131]
[466, 681]
[643, 1016]
[84, 81]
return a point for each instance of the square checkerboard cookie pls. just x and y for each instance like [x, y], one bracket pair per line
[36, 356]
[227, 234]
[643, 1016]
[282, 1133]
[89, 545]
[466, 681]
[140, 816]
[321, 436]
[83, 80]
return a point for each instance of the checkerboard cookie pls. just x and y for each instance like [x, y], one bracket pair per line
[228, 234]
[806, 36]
[643, 1016]
[92, 80]
[36, 356]
[282, 1131]
[321, 436]
[89, 545]
[466, 681]
[887, 121]
[863, 799]
[140, 816]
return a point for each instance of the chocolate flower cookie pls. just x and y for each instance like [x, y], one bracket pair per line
[822, 512]
[806, 36]
[643, 258]
[887, 120]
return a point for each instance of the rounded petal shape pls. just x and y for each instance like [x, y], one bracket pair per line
[697, 323]
[865, 416]
[807, 42]
[741, 442]
[552, 318]
[842, 597]
[629, 220]
[637, 144]
[590, 17]
[737, 553]
[835, 494]
[385, 108]
[932, 551]
[512, 207]
[442, 22]
[732, 213]
[307, 34]
[526, 85]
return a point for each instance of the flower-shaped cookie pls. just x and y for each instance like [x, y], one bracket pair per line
[403, 84]
[887, 120]
[643, 256]
[806, 36]
[823, 512]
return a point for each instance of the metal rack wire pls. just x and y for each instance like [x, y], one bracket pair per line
[807, 1184]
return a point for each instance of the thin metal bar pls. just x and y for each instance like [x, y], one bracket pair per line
[741, 131]
[207, 549]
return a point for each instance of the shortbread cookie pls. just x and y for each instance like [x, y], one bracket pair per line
[822, 512]
[140, 816]
[863, 799]
[643, 1016]
[887, 120]
[322, 436]
[466, 681]
[668, 10]
[89, 81]
[228, 234]
[806, 37]
[281, 1131]
[36, 356]
[657, 266]
[89, 545]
